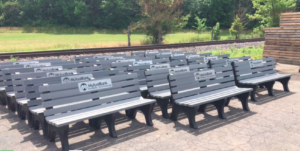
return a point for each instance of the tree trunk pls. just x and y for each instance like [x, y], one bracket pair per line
[212, 33]
[128, 34]
[160, 39]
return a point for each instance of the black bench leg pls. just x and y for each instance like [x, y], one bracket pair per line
[175, 112]
[190, 112]
[227, 101]
[63, 133]
[220, 107]
[3, 101]
[132, 113]
[163, 103]
[269, 86]
[285, 83]
[147, 110]
[95, 123]
[110, 122]
[30, 119]
[253, 94]
[244, 99]
[44, 125]
[261, 86]
[144, 94]
[202, 108]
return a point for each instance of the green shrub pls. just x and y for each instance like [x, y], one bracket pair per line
[217, 32]
[13, 59]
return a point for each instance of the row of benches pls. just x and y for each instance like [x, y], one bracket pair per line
[67, 92]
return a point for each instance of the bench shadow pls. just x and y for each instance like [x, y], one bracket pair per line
[100, 140]
[210, 122]
[265, 98]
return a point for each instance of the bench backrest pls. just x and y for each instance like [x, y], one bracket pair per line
[167, 54]
[72, 97]
[59, 66]
[21, 64]
[151, 54]
[157, 79]
[196, 59]
[195, 83]
[17, 79]
[225, 62]
[139, 67]
[254, 68]
[81, 58]
[104, 63]
[138, 53]
[31, 86]
[181, 56]
[29, 62]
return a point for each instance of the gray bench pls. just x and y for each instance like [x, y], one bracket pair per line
[20, 90]
[94, 100]
[167, 54]
[194, 90]
[227, 61]
[10, 94]
[7, 70]
[196, 58]
[251, 74]
[158, 85]
[151, 54]
[34, 109]
[81, 58]
[181, 56]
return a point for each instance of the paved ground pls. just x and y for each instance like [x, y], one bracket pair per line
[272, 124]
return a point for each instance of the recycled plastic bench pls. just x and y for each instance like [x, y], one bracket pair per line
[251, 74]
[96, 99]
[193, 90]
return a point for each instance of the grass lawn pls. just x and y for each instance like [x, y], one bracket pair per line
[253, 52]
[18, 41]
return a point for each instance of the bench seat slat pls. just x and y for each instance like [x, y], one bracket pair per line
[266, 78]
[160, 94]
[211, 96]
[80, 115]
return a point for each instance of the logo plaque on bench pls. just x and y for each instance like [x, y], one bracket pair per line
[176, 55]
[25, 62]
[204, 75]
[61, 73]
[125, 60]
[229, 61]
[94, 85]
[206, 59]
[159, 66]
[76, 78]
[256, 63]
[114, 58]
[192, 56]
[34, 65]
[44, 69]
[179, 70]
[141, 63]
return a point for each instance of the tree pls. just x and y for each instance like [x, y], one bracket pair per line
[242, 8]
[217, 32]
[10, 13]
[298, 5]
[236, 27]
[268, 11]
[200, 24]
[160, 17]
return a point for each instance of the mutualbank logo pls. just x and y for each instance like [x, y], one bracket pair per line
[25, 62]
[141, 63]
[179, 70]
[159, 66]
[45, 69]
[34, 65]
[61, 73]
[94, 85]
[204, 75]
[76, 78]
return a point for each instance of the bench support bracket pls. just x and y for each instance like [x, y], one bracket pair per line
[284, 83]
[110, 122]
[163, 103]
[269, 86]
[244, 100]
[220, 107]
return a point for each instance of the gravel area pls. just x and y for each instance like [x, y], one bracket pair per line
[186, 49]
